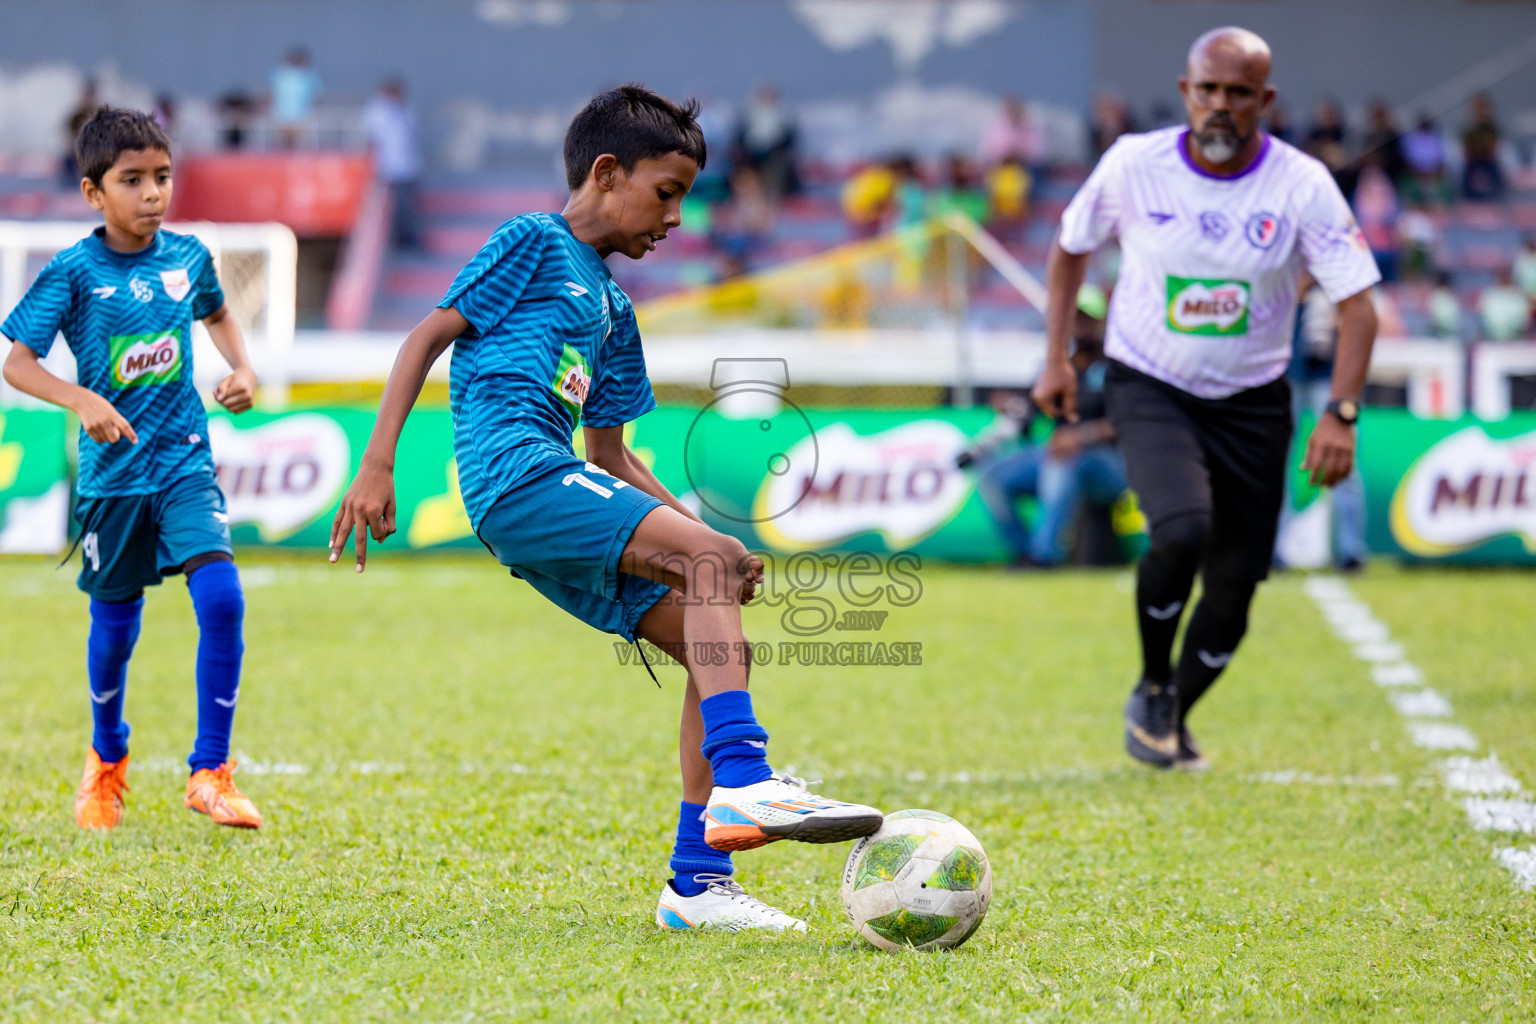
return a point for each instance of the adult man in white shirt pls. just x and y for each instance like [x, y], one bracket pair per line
[1215, 221]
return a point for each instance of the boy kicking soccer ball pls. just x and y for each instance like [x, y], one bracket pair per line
[544, 342]
[149, 506]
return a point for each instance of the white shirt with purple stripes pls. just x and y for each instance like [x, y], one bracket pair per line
[1206, 299]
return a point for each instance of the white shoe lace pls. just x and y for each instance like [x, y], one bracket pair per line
[798, 783]
[730, 888]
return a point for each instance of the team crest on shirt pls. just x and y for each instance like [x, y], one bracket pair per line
[1213, 225]
[1262, 230]
[176, 283]
[1356, 236]
[141, 291]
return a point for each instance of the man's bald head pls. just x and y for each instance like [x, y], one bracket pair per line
[1226, 91]
[1232, 44]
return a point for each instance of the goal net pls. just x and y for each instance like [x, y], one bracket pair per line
[257, 266]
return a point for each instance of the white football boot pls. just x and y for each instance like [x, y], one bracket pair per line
[723, 906]
[782, 808]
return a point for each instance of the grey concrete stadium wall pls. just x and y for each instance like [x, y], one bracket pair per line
[507, 73]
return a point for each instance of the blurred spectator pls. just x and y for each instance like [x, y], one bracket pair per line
[1384, 141]
[1425, 156]
[236, 109]
[1325, 140]
[1524, 270]
[1376, 212]
[867, 195]
[391, 129]
[713, 182]
[962, 191]
[69, 170]
[1078, 465]
[1008, 188]
[766, 143]
[1504, 310]
[1278, 123]
[909, 202]
[741, 227]
[1444, 307]
[165, 113]
[1481, 177]
[1014, 133]
[1111, 119]
[1417, 238]
[295, 89]
[1008, 468]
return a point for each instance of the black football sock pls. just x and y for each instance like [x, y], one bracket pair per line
[1215, 629]
[1163, 582]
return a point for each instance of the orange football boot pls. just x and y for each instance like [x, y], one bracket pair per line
[212, 791]
[99, 802]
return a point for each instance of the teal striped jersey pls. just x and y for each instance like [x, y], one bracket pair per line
[127, 317]
[552, 345]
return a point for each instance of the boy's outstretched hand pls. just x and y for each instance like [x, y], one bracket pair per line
[368, 507]
[237, 392]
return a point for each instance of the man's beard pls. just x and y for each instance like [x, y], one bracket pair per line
[1220, 142]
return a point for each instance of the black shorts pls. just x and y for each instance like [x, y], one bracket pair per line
[1225, 457]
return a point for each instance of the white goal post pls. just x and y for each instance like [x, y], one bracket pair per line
[257, 266]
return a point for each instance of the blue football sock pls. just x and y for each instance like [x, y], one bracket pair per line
[114, 630]
[220, 606]
[691, 855]
[737, 747]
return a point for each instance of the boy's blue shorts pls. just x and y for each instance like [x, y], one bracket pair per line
[129, 542]
[563, 531]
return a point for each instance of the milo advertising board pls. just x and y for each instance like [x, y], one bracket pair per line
[788, 481]
[1451, 490]
[873, 480]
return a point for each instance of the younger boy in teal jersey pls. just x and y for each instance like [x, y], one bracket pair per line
[544, 342]
[149, 505]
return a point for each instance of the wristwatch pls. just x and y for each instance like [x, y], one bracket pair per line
[1346, 409]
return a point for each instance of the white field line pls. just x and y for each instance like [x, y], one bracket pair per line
[1421, 704]
[1372, 643]
[247, 765]
[1441, 736]
[1521, 864]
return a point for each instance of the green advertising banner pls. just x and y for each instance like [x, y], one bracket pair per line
[867, 480]
[284, 474]
[874, 480]
[1461, 491]
[34, 481]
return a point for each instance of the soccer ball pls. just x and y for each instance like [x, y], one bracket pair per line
[921, 881]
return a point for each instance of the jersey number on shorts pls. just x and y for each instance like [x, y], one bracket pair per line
[91, 550]
[592, 485]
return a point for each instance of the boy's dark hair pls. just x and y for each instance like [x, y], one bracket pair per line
[633, 123]
[109, 133]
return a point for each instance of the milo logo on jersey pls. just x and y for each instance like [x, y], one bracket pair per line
[142, 359]
[573, 379]
[1201, 305]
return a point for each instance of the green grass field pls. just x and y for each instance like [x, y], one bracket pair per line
[469, 804]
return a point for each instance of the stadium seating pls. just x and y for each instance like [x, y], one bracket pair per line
[458, 211]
